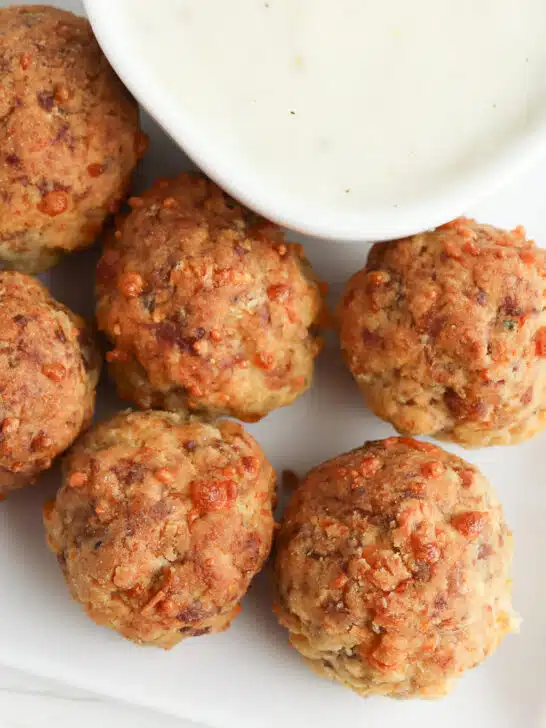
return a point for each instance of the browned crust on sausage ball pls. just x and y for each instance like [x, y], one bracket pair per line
[393, 569]
[445, 333]
[161, 524]
[49, 369]
[207, 306]
[69, 136]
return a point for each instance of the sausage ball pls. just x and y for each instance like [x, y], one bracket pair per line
[393, 569]
[69, 136]
[445, 333]
[207, 306]
[161, 524]
[49, 370]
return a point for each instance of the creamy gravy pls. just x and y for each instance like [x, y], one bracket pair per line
[349, 103]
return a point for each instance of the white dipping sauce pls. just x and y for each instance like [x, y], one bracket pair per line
[350, 103]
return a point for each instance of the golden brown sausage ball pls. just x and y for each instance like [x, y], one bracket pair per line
[161, 524]
[445, 333]
[393, 569]
[49, 369]
[69, 136]
[207, 306]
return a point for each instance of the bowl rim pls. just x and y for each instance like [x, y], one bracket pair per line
[372, 224]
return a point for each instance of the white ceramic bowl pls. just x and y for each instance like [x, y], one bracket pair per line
[439, 204]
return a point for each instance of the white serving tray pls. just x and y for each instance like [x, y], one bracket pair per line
[249, 677]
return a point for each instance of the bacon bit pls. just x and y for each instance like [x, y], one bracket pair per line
[452, 250]
[55, 372]
[77, 480]
[540, 342]
[96, 170]
[17, 467]
[369, 466]
[519, 232]
[141, 146]
[195, 391]
[54, 203]
[470, 523]
[378, 278]
[471, 248]
[264, 360]
[41, 442]
[213, 495]
[528, 256]
[278, 292]
[62, 94]
[130, 284]
[169, 203]
[101, 508]
[25, 61]
[340, 582]
[427, 552]
[250, 464]
[432, 469]
[118, 355]
[467, 478]
[10, 425]
[165, 476]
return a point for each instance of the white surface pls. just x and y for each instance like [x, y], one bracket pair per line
[354, 119]
[248, 677]
[30, 702]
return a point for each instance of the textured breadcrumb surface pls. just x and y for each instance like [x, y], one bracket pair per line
[161, 523]
[445, 333]
[208, 308]
[393, 569]
[49, 369]
[69, 136]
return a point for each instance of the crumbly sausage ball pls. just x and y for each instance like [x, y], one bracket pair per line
[207, 306]
[69, 136]
[161, 524]
[392, 569]
[445, 333]
[49, 369]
